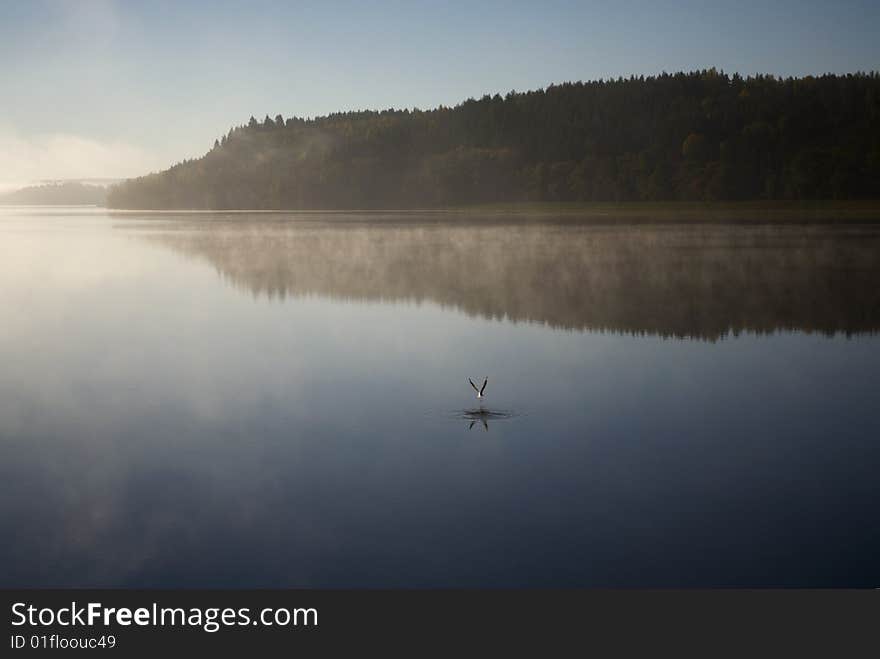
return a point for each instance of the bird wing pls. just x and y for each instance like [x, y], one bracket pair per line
[483, 388]
[473, 385]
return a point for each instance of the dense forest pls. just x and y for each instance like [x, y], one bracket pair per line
[703, 135]
[65, 193]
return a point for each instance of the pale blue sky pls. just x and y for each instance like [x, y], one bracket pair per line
[110, 88]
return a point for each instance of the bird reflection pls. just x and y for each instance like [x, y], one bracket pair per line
[485, 424]
[482, 416]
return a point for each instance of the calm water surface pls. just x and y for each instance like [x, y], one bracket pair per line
[282, 400]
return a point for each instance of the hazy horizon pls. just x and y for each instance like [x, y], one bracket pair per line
[107, 89]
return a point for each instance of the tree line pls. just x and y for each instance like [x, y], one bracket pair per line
[63, 193]
[703, 135]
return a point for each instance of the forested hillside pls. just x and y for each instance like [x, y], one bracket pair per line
[68, 192]
[688, 136]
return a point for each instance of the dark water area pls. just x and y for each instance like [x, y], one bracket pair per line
[203, 400]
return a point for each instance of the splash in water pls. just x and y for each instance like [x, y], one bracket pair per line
[483, 416]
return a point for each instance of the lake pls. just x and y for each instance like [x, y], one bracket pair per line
[282, 400]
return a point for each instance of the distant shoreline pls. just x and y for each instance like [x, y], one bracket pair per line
[674, 212]
[635, 212]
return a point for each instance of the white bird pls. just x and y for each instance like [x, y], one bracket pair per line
[481, 389]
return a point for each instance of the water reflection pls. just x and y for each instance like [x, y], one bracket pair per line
[483, 416]
[158, 428]
[673, 281]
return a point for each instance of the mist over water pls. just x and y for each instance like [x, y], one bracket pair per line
[282, 400]
[679, 280]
